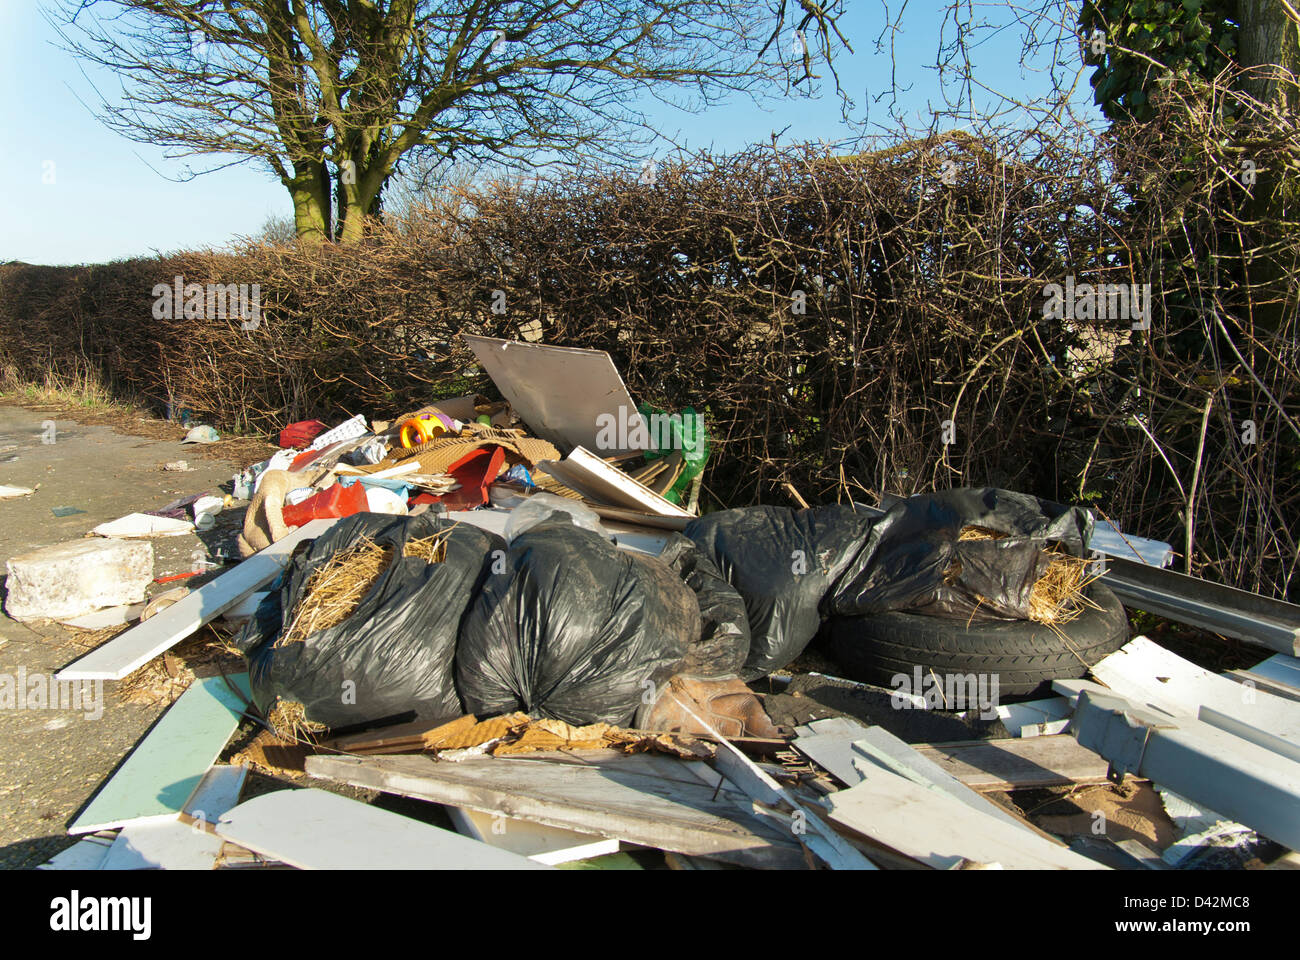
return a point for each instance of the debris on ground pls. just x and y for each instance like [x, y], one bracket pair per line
[512, 612]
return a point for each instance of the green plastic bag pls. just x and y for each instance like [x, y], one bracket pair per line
[679, 431]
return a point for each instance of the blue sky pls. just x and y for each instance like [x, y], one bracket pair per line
[79, 193]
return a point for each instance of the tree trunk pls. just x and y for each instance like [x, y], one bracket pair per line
[358, 200]
[311, 205]
[1269, 41]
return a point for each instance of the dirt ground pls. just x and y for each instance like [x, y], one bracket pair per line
[51, 761]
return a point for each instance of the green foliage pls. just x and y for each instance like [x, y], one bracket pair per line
[1148, 42]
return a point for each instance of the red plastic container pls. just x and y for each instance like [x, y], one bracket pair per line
[337, 501]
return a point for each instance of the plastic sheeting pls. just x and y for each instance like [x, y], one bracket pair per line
[723, 643]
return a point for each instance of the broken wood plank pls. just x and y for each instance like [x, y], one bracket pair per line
[216, 793]
[133, 648]
[941, 831]
[639, 518]
[769, 797]
[593, 477]
[162, 772]
[318, 830]
[163, 845]
[1014, 763]
[609, 800]
[843, 753]
[401, 738]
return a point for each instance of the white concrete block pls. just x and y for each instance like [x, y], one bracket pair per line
[75, 578]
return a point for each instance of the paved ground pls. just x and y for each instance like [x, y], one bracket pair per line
[51, 761]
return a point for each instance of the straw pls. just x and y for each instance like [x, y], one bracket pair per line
[1058, 595]
[336, 588]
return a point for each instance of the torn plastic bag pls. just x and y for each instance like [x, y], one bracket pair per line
[396, 652]
[782, 562]
[723, 643]
[572, 628]
[914, 561]
[541, 506]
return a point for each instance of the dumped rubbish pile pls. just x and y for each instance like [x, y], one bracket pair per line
[511, 609]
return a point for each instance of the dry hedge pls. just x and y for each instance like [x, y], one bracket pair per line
[837, 320]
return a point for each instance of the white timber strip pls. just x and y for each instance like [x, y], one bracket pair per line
[163, 845]
[809, 828]
[941, 831]
[132, 649]
[1281, 670]
[216, 793]
[1253, 734]
[536, 841]
[881, 747]
[1146, 672]
[86, 854]
[317, 830]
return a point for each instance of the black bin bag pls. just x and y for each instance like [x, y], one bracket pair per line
[782, 562]
[572, 628]
[396, 652]
[723, 644]
[913, 560]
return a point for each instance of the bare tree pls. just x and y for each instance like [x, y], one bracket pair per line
[333, 95]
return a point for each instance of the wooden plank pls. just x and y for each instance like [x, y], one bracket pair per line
[163, 845]
[844, 753]
[1262, 738]
[86, 854]
[882, 747]
[609, 800]
[641, 518]
[813, 833]
[317, 830]
[1147, 673]
[536, 841]
[163, 770]
[940, 831]
[1279, 674]
[1015, 763]
[1281, 669]
[216, 793]
[1283, 690]
[593, 477]
[133, 648]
